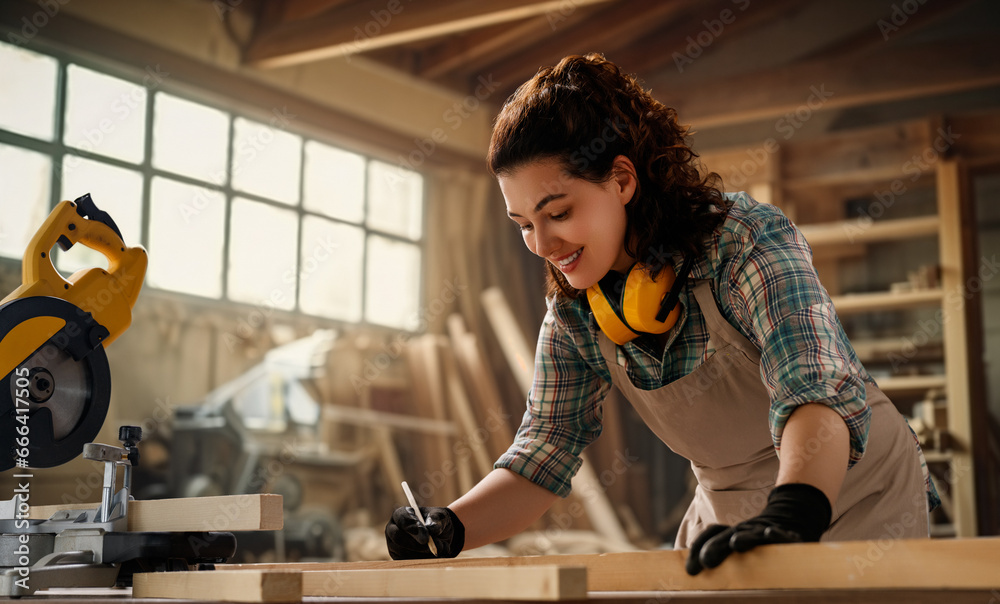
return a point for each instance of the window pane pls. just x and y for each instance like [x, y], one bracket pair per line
[190, 139]
[395, 200]
[28, 102]
[115, 190]
[24, 197]
[266, 161]
[105, 115]
[334, 182]
[262, 254]
[393, 283]
[332, 263]
[186, 234]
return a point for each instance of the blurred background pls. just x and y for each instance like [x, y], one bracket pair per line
[336, 301]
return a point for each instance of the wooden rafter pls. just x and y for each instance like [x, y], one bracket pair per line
[372, 24]
[872, 36]
[601, 32]
[893, 75]
[474, 50]
[657, 51]
[292, 10]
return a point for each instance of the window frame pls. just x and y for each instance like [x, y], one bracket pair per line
[57, 150]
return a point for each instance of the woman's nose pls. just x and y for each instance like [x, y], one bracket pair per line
[546, 243]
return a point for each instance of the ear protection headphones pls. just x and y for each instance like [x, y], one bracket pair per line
[627, 306]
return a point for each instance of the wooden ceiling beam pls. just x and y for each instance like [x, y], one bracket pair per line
[304, 9]
[658, 52]
[612, 28]
[474, 50]
[371, 24]
[865, 40]
[891, 75]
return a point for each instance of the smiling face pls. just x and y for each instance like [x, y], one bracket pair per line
[577, 225]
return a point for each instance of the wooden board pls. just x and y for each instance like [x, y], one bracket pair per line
[548, 583]
[259, 512]
[874, 564]
[226, 585]
[600, 512]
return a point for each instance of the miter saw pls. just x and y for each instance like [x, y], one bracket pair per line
[54, 397]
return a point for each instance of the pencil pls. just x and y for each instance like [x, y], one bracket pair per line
[420, 517]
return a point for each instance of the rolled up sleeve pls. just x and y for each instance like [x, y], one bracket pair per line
[777, 299]
[563, 413]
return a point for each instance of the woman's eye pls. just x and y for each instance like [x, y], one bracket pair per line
[524, 227]
[560, 216]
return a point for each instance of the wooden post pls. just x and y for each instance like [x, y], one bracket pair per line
[956, 277]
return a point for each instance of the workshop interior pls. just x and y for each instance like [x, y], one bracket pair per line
[253, 264]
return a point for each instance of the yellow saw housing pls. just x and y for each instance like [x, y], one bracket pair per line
[108, 295]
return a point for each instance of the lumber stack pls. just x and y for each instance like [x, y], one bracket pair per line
[914, 566]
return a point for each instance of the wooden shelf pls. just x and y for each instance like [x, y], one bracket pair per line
[852, 304]
[857, 231]
[938, 456]
[847, 177]
[909, 383]
[878, 350]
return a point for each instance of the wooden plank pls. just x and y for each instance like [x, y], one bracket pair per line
[392, 468]
[881, 301]
[535, 583]
[905, 383]
[512, 341]
[485, 392]
[883, 563]
[856, 231]
[595, 500]
[368, 25]
[462, 411]
[225, 585]
[862, 155]
[897, 74]
[437, 478]
[256, 512]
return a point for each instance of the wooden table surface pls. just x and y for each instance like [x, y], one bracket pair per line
[889, 596]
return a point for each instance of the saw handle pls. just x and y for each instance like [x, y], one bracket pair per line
[108, 295]
[70, 223]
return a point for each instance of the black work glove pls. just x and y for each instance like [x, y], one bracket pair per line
[407, 538]
[794, 513]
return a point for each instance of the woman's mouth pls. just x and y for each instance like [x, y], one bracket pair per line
[569, 263]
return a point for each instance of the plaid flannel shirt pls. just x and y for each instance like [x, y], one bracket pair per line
[765, 285]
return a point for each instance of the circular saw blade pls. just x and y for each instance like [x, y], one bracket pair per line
[62, 387]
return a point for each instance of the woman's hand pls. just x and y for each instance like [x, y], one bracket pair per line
[406, 537]
[794, 513]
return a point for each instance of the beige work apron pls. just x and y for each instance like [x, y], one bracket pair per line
[717, 417]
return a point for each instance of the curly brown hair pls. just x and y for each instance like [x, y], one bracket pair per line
[585, 112]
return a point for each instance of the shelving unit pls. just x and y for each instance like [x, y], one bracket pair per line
[814, 182]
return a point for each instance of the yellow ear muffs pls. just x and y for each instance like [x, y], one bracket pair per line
[607, 319]
[644, 306]
[642, 298]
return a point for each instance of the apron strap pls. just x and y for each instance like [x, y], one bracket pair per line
[718, 326]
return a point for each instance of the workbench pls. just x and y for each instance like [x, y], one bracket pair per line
[912, 571]
[843, 596]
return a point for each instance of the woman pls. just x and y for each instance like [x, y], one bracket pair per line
[704, 309]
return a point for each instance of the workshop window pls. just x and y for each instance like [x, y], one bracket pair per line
[24, 176]
[232, 205]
